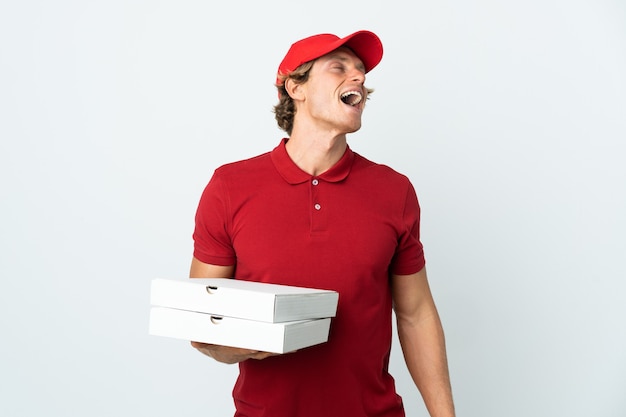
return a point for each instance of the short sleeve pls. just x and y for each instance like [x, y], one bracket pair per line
[211, 236]
[409, 257]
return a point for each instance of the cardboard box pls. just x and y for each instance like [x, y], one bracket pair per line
[228, 331]
[244, 299]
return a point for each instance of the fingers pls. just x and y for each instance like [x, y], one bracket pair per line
[229, 355]
[262, 355]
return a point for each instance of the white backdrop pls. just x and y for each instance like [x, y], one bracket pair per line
[509, 118]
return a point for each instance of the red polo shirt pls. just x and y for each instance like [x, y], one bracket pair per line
[344, 230]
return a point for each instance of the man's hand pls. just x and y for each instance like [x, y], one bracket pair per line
[227, 354]
[224, 354]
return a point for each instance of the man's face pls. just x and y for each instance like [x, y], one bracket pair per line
[334, 94]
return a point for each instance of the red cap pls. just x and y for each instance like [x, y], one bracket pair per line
[366, 45]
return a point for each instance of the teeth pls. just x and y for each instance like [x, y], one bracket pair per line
[351, 97]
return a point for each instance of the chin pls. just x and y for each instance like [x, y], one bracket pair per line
[353, 128]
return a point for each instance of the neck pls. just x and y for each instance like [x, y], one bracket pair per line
[315, 154]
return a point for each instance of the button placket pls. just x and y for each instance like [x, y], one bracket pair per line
[315, 182]
[318, 215]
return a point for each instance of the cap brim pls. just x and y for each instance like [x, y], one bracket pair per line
[366, 45]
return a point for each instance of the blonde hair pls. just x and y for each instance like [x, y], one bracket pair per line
[285, 110]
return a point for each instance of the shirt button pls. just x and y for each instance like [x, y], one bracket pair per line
[317, 207]
[315, 182]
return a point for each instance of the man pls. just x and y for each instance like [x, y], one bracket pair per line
[314, 213]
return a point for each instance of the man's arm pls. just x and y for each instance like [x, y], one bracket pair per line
[224, 354]
[422, 340]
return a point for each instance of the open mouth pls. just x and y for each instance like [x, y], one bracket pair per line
[352, 98]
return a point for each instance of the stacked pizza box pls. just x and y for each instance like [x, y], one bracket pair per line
[253, 315]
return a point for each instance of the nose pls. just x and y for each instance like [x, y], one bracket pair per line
[358, 75]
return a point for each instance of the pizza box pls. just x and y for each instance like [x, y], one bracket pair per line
[229, 331]
[249, 300]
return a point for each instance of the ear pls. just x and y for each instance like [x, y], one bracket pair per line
[294, 89]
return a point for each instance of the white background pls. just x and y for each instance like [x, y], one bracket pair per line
[509, 118]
